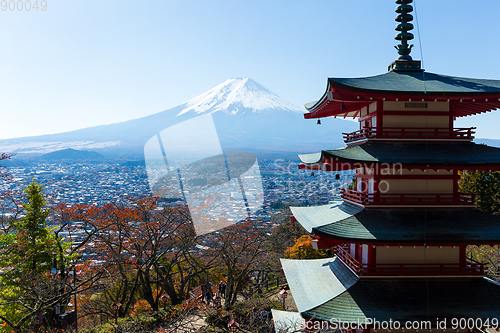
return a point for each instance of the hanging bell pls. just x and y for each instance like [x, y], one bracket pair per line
[319, 122]
[337, 176]
[342, 107]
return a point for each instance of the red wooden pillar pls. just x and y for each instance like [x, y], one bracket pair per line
[455, 183]
[372, 254]
[452, 117]
[463, 254]
[380, 117]
[359, 252]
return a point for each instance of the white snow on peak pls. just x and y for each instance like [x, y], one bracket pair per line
[237, 95]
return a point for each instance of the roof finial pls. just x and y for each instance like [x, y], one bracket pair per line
[403, 27]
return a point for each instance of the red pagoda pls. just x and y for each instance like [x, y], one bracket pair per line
[400, 235]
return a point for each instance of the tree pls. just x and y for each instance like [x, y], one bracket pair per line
[302, 249]
[144, 251]
[283, 236]
[489, 255]
[28, 250]
[240, 250]
[486, 185]
[33, 259]
[3, 170]
[40, 247]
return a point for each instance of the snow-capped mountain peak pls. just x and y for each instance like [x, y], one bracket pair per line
[236, 96]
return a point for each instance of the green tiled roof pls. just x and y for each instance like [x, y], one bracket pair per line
[435, 154]
[311, 158]
[413, 82]
[452, 226]
[313, 282]
[312, 217]
[412, 299]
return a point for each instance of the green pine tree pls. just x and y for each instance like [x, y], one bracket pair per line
[29, 249]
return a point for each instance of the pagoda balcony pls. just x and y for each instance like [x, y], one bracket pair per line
[411, 133]
[470, 267]
[348, 260]
[408, 199]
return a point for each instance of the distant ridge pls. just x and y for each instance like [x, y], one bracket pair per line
[72, 154]
[489, 142]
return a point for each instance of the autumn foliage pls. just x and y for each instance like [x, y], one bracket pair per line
[302, 249]
[140, 253]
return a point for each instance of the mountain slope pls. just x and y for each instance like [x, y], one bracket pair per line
[71, 154]
[246, 116]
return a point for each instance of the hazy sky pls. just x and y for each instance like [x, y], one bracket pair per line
[82, 63]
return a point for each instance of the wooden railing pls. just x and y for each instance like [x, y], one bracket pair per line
[348, 260]
[421, 133]
[365, 199]
[471, 267]
[196, 293]
[354, 196]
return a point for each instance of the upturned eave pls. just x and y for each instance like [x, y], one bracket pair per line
[344, 97]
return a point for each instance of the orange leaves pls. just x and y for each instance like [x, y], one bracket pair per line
[140, 306]
[302, 249]
[4, 156]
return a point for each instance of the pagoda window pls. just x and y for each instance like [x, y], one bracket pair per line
[352, 250]
[363, 111]
[368, 121]
[371, 186]
[359, 184]
[364, 252]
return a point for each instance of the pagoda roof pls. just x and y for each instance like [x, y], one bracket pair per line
[325, 288]
[405, 85]
[419, 82]
[412, 225]
[314, 282]
[461, 155]
[313, 217]
[412, 299]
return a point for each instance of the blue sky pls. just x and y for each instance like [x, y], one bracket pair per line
[82, 63]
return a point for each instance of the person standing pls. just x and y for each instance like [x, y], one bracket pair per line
[203, 291]
[208, 294]
[219, 287]
[223, 291]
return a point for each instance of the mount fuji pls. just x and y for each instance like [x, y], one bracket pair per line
[247, 116]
